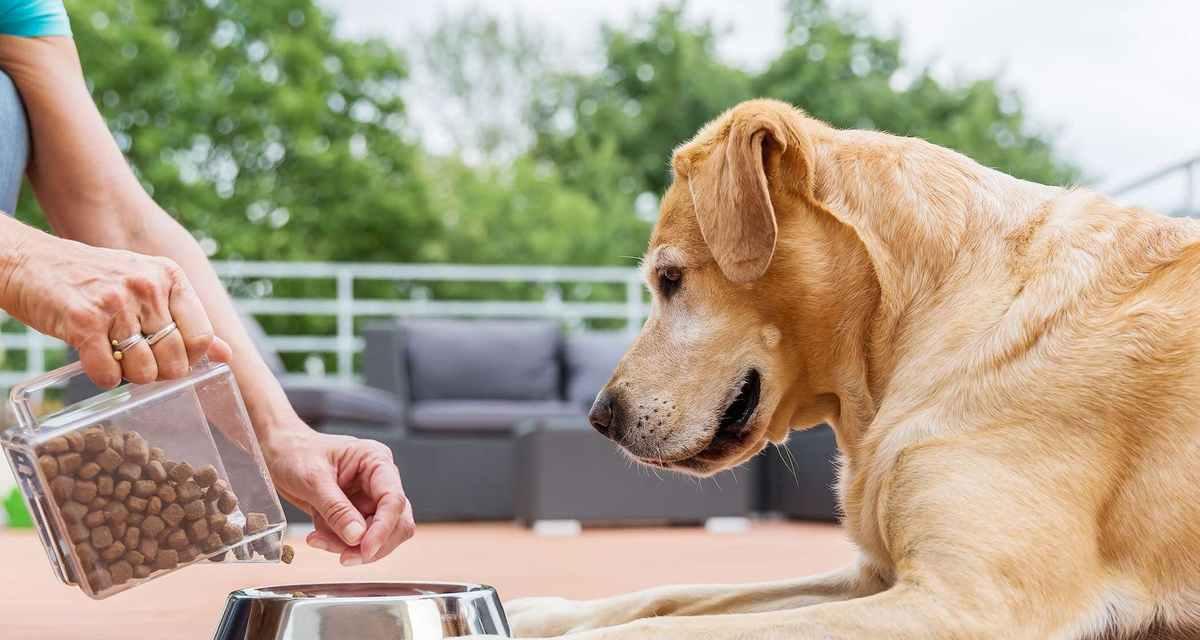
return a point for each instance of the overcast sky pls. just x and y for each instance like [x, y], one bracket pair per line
[1119, 82]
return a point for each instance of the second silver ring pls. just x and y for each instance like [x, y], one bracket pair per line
[154, 338]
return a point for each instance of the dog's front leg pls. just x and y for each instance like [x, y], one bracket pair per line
[546, 617]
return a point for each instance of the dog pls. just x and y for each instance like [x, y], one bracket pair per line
[1012, 372]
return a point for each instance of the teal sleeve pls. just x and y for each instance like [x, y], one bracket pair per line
[34, 18]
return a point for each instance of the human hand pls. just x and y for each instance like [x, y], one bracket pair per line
[90, 296]
[350, 487]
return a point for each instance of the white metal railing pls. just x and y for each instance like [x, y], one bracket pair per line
[346, 308]
[1181, 175]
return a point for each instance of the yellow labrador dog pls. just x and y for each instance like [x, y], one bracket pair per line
[1012, 371]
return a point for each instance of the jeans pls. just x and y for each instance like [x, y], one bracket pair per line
[14, 144]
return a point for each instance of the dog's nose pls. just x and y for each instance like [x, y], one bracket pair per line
[601, 415]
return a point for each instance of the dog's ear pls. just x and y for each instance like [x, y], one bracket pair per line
[731, 195]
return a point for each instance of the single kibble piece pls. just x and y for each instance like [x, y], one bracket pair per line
[118, 530]
[181, 472]
[75, 441]
[194, 510]
[69, 463]
[288, 554]
[135, 557]
[221, 485]
[95, 440]
[85, 491]
[105, 486]
[136, 519]
[188, 490]
[154, 506]
[177, 539]
[230, 533]
[49, 465]
[206, 476]
[144, 488]
[167, 559]
[87, 556]
[256, 522]
[102, 537]
[121, 571]
[62, 487]
[116, 512]
[56, 445]
[132, 537]
[212, 542]
[155, 471]
[95, 518]
[142, 571]
[109, 459]
[78, 533]
[136, 449]
[148, 547]
[89, 471]
[113, 552]
[74, 512]
[99, 579]
[173, 514]
[152, 526]
[216, 521]
[122, 489]
[189, 553]
[137, 504]
[129, 471]
[220, 557]
[227, 503]
[197, 530]
[157, 455]
[98, 503]
[167, 493]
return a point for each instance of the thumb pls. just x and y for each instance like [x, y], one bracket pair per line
[338, 512]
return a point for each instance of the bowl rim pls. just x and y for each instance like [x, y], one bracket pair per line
[435, 589]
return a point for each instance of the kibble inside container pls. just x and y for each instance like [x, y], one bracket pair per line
[143, 480]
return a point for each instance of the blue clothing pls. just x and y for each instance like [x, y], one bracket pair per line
[14, 144]
[34, 18]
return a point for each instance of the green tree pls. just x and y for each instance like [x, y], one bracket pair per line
[263, 132]
[662, 79]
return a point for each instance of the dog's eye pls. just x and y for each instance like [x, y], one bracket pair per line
[669, 280]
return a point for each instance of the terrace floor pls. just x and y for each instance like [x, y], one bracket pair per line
[186, 606]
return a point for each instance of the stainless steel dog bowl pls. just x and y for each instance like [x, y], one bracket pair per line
[363, 611]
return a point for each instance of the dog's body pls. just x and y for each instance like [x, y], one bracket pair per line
[1012, 372]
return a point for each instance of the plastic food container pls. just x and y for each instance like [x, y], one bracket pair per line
[143, 480]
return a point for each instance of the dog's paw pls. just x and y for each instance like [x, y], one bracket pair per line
[549, 617]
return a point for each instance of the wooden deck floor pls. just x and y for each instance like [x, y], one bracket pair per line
[186, 606]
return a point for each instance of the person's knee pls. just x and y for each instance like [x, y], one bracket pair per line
[14, 143]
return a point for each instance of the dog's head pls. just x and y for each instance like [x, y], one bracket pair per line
[719, 369]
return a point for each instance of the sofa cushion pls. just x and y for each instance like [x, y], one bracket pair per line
[590, 360]
[483, 360]
[322, 402]
[466, 416]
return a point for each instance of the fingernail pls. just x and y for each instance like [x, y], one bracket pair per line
[354, 532]
[352, 561]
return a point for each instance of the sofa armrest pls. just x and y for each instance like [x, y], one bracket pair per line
[321, 403]
[385, 360]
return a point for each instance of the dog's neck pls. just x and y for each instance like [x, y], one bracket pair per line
[904, 208]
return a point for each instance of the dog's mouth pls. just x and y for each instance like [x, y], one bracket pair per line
[734, 427]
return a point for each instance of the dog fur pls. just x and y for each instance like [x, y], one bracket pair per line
[1010, 369]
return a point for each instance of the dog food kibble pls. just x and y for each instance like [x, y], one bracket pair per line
[172, 514]
[69, 463]
[129, 471]
[109, 460]
[181, 472]
[155, 471]
[132, 512]
[288, 554]
[49, 465]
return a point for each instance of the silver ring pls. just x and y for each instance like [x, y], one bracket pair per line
[119, 347]
[154, 338]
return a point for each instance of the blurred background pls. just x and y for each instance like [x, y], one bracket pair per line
[352, 162]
